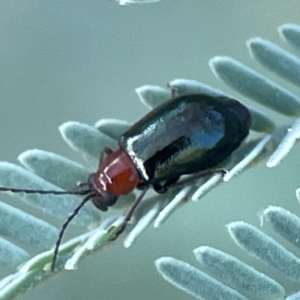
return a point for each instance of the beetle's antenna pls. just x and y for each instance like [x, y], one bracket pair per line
[64, 227]
[28, 191]
[70, 218]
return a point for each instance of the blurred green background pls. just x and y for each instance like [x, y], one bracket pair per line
[81, 60]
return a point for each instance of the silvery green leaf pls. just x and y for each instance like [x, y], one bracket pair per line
[246, 156]
[153, 95]
[20, 282]
[11, 254]
[26, 228]
[290, 33]
[59, 206]
[141, 225]
[279, 134]
[266, 249]
[36, 270]
[284, 223]
[276, 59]
[148, 210]
[44, 259]
[247, 160]
[188, 86]
[276, 150]
[54, 168]
[97, 238]
[193, 281]
[105, 232]
[255, 86]
[286, 145]
[206, 187]
[298, 194]
[240, 275]
[295, 296]
[6, 280]
[86, 139]
[127, 2]
[178, 199]
[112, 127]
[260, 121]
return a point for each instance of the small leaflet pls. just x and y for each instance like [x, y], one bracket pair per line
[127, 2]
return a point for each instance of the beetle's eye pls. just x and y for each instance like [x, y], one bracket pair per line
[109, 199]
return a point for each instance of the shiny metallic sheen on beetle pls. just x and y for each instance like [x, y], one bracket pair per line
[184, 135]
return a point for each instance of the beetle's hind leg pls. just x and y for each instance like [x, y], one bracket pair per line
[131, 211]
[162, 188]
[192, 178]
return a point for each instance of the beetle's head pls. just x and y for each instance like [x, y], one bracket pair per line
[116, 176]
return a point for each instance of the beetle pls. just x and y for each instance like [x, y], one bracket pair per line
[187, 135]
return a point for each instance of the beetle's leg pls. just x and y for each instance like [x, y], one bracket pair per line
[142, 185]
[81, 184]
[162, 188]
[131, 211]
[104, 151]
[194, 177]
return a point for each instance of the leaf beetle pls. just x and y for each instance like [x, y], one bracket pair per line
[187, 135]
